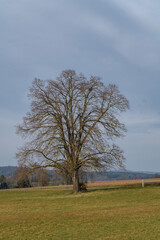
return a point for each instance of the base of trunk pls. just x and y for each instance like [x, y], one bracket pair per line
[75, 179]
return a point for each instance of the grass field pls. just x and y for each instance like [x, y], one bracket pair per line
[116, 213]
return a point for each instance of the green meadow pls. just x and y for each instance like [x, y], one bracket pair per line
[124, 213]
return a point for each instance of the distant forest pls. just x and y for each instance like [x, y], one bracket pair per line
[93, 176]
[7, 171]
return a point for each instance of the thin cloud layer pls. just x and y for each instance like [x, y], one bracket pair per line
[117, 40]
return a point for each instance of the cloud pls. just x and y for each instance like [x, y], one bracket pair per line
[141, 143]
[142, 150]
[125, 33]
[117, 40]
[9, 141]
[145, 119]
[144, 13]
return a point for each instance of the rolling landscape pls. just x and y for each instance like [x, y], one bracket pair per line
[123, 212]
[112, 209]
[118, 208]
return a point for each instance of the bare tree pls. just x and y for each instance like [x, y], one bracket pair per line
[43, 177]
[72, 124]
[22, 177]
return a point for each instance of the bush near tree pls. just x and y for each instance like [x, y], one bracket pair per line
[3, 183]
[23, 183]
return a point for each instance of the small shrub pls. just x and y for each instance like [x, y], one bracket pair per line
[3, 185]
[23, 183]
[83, 187]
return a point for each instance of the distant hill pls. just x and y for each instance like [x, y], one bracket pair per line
[118, 175]
[93, 176]
[7, 171]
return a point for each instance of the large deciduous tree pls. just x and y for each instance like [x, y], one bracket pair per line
[72, 124]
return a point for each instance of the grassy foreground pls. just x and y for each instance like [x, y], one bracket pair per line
[99, 214]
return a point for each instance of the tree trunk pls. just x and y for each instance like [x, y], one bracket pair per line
[75, 181]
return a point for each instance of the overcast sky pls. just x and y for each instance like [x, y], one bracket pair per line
[118, 40]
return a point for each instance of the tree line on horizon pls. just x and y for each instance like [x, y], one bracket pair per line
[20, 177]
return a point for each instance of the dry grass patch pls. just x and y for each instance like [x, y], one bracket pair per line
[122, 182]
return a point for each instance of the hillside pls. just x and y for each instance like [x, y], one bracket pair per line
[118, 175]
[7, 171]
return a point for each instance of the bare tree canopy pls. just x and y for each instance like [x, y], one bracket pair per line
[72, 124]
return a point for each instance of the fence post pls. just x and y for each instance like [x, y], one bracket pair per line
[142, 182]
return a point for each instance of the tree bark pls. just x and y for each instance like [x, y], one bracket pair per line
[75, 179]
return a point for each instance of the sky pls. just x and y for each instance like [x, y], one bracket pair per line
[117, 40]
